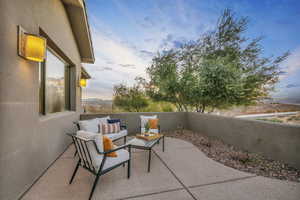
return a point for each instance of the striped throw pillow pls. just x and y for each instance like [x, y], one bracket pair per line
[105, 128]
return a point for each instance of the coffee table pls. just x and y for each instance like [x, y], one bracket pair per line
[147, 145]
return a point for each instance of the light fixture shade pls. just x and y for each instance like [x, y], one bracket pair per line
[82, 82]
[34, 48]
[31, 47]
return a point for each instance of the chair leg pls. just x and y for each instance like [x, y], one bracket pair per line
[125, 139]
[94, 186]
[75, 152]
[74, 173]
[128, 169]
[149, 160]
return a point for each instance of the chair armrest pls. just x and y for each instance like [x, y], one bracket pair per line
[76, 123]
[116, 149]
[123, 127]
[82, 138]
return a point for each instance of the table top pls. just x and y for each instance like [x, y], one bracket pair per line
[143, 143]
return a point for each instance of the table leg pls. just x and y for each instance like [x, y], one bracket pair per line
[149, 160]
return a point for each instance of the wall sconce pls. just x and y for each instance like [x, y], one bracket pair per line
[31, 47]
[82, 82]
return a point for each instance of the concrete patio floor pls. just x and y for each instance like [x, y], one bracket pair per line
[182, 172]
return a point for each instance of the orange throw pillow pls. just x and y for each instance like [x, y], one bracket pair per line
[109, 145]
[153, 123]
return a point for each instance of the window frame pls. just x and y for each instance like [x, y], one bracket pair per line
[72, 77]
[42, 82]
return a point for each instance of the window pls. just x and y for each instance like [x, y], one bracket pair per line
[54, 84]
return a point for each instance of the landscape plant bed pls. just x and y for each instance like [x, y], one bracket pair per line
[236, 158]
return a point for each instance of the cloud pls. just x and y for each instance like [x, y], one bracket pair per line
[282, 73]
[106, 72]
[110, 49]
[291, 64]
[147, 53]
[292, 85]
[128, 65]
[149, 21]
[149, 39]
[125, 44]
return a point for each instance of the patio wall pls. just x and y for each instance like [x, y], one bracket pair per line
[275, 141]
[167, 120]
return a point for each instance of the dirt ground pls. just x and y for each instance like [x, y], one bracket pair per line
[236, 158]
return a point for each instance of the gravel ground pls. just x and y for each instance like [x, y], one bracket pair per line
[236, 158]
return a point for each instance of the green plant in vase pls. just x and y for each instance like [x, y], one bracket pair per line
[147, 128]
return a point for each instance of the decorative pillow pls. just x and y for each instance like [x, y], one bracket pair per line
[112, 121]
[109, 145]
[153, 123]
[144, 119]
[109, 128]
[89, 125]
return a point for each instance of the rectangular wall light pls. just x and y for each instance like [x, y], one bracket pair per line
[30, 46]
[82, 82]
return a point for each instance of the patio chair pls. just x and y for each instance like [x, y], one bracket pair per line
[92, 126]
[144, 119]
[97, 162]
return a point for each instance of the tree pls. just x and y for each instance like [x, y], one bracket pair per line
[130, 99]
[165, 80]
[222, 68]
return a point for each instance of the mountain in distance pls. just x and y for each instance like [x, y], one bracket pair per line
[95, 105]
[96, 101]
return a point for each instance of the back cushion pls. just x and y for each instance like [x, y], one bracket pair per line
[109, 128]
[89, 125]
[98, 138]
[102, 119]
[144, 119]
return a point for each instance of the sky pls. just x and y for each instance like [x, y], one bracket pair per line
[126, 34]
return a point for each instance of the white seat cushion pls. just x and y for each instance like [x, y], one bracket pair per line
[89, 125]
[123, 155]
[115, 136]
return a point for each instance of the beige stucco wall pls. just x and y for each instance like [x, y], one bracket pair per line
[30, 143]
[168, 120]
[273, 140]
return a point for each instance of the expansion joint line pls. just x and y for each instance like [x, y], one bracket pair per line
[173, 173]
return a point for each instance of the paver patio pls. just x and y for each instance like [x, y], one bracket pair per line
[182, 172]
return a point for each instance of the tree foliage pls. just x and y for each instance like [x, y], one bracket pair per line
[130, 99]
[221, 69]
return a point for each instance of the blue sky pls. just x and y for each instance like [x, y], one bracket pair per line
[127, 33]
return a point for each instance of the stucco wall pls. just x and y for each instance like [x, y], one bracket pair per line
[28, 142]
[167, 120]
[276, 141]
